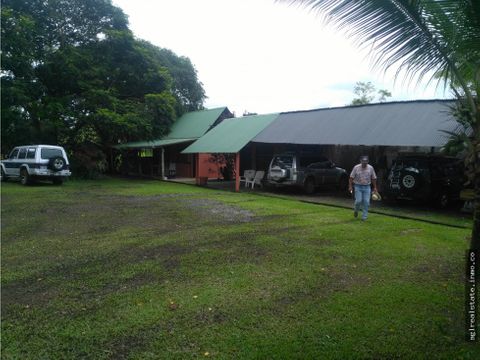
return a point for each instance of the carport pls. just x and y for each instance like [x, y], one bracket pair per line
[230, 137]
[381, 131]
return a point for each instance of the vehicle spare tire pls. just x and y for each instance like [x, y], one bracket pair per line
[410, 181]
[57, 163]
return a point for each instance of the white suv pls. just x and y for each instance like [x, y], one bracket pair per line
[32, 162]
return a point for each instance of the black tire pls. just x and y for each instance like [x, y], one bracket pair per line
[443, 200]
[24, 177]
[57, 163]
[410, 181]
[57, 181]
[309, 186]
[343, 184]
[3, 176]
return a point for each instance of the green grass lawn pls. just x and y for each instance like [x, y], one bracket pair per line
[118, 269]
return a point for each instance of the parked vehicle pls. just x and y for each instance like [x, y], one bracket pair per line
[31, 162]
[425, 177]
[308, 171]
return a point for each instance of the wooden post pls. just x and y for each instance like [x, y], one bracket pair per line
[197, 170]
[237, 172]
[163, 164]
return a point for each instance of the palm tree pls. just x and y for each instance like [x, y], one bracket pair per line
[420, 37]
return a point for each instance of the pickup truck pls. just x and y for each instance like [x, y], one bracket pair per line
[308, 171]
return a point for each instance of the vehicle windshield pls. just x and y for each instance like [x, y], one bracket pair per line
[48, 153]
[285, 162]
[13, 154]
[418, 164]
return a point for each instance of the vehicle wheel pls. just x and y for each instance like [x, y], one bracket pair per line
[443, 200]
[24, 177]
[410, 181]
[309, 186]
[343, 184]
[57, 181]
[57, 163]
[3, 176]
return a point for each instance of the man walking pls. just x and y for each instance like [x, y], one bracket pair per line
[362, 176]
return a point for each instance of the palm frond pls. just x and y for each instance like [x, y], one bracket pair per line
[419, 36]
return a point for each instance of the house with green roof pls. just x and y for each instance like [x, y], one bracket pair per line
[342, 134]
[163, 157]
[233, 136]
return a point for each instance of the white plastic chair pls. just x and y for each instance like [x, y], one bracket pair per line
[247, 177]
[257, 179]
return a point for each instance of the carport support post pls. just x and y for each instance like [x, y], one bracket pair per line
[197, 168]
[163, 164]
[237, 172]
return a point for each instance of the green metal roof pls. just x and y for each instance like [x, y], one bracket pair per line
[152, 144]
[231, 135]
[194, 124]
[188, 127]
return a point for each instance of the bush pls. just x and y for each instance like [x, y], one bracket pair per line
[88, 161]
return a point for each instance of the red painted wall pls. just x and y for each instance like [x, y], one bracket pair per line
[209, 169]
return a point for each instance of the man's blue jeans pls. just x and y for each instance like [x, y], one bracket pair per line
[362, 199]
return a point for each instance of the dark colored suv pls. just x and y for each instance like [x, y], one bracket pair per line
[425, 177]
[308, 171]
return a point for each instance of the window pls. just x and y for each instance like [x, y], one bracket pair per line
[13, 154]
[31, 153]
[307, 160]
[48, 153]
[23, 153]
[285, 162]
[418, 164]
[146, 152]
[321, 165]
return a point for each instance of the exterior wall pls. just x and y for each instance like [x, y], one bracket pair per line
[209, 168]
[176, 164]
[182, 165]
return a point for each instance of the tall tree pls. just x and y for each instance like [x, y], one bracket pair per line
[187, 88]
[421, 37]
[73, 73]
[365, 93]
[34, 33]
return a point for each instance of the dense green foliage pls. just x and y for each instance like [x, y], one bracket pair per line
[121, 269]
[73, 74]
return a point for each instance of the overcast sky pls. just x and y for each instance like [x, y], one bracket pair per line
[262, 56]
